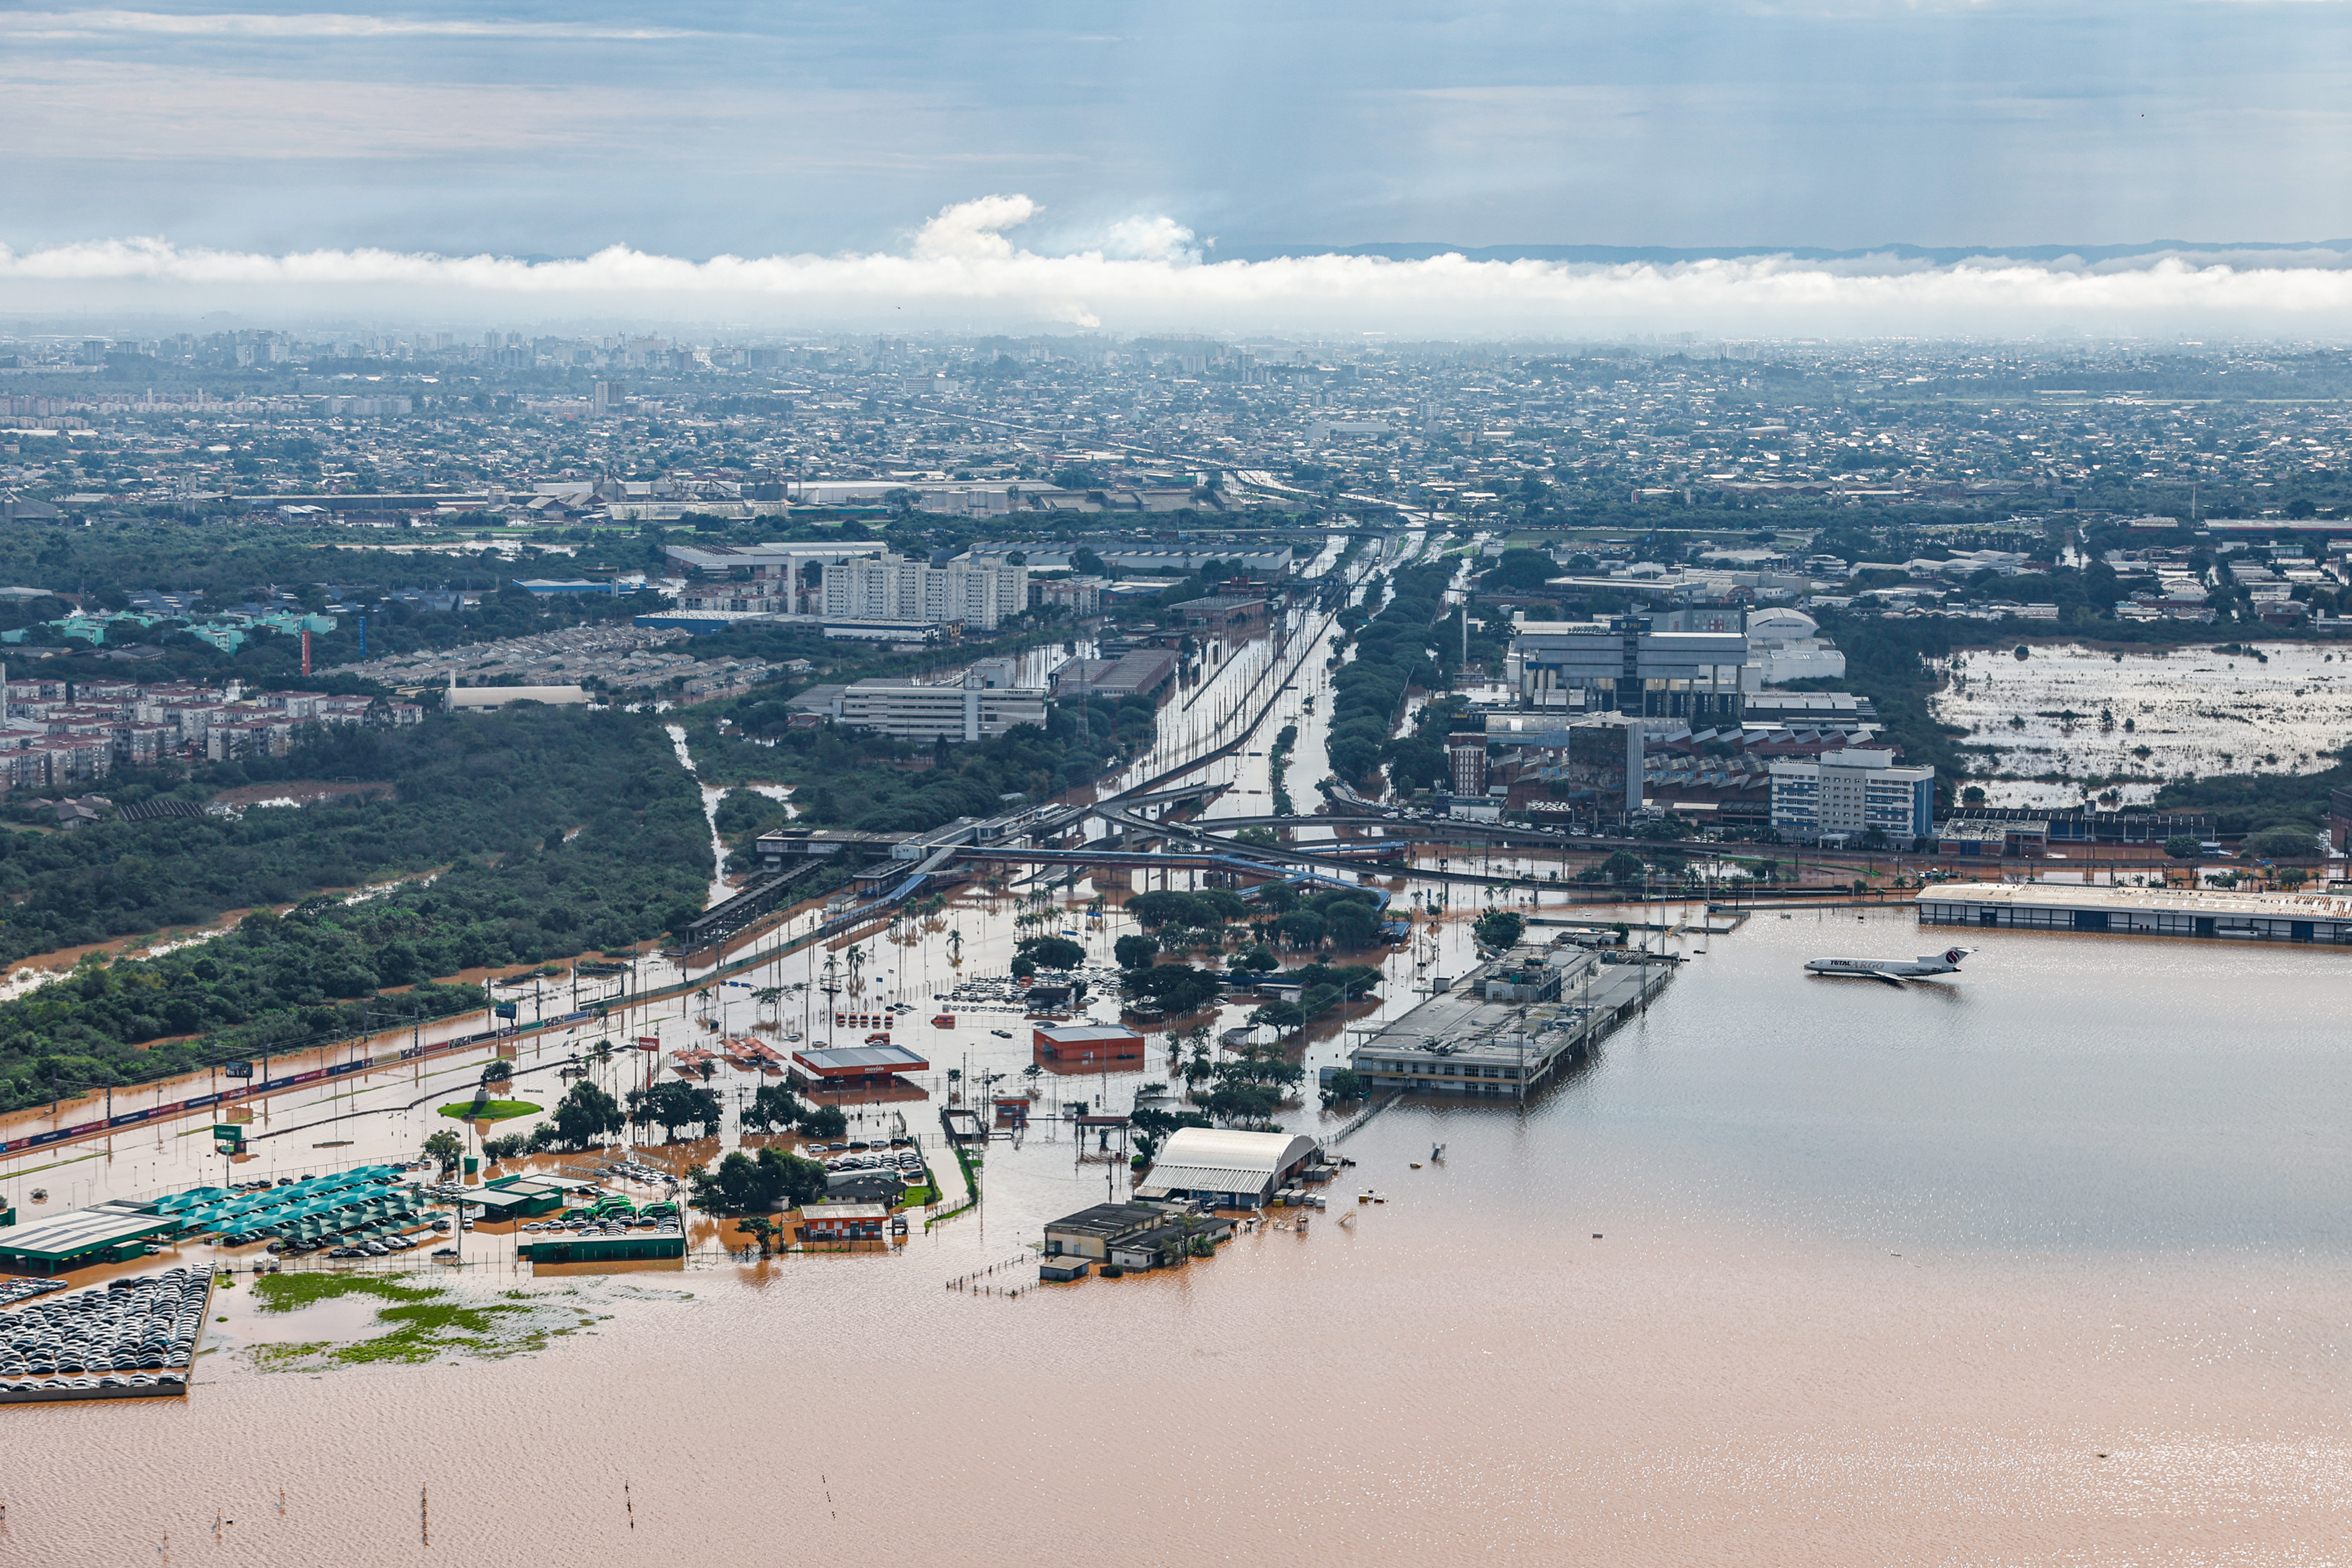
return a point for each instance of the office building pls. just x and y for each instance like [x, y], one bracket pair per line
[982, 705]
[1847, 795]
[1467, 753]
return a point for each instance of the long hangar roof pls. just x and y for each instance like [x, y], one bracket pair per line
[1219, 1159]
[2200, 900]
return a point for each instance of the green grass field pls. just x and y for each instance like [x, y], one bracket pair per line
[491, 1111]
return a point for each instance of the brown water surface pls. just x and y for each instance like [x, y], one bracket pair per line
[2044, 1266]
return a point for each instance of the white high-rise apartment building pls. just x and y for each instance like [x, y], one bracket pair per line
[977, 596]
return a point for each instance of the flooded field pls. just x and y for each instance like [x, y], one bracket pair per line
[2150, 715]
[2041, 1265]
[2024, 1268]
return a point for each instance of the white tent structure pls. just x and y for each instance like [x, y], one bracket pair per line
[1231, 1169]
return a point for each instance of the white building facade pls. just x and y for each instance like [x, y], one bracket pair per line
[975, 595]
[1848, 794]
[984, 705]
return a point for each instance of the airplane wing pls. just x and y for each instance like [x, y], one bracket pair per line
[1890, 980]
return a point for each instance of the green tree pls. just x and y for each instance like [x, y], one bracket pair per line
[1135, 951]
[497, 1074]
[586, 1116]
[1243, 1103]
[824, 1122]
[1352, 925]
[1177, 988]
[746, 1184]
[1053, 951]
[2283, 843]
[1623, 867]
[1498, 928]
[2182, 846]
[671, 1105]
[445, 1148]
[1302, 928]
[772, 1105]
[1286, 1016]
[1347, 1084]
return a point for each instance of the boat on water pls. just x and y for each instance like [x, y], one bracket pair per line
[1892, 971]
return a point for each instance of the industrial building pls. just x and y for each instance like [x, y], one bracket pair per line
[1227, 1168]
[1508, 1025]
[603, 1249]
[1620, 666]
[520, 1196]
[2316, 918]
[843, 1221]
[779, 565]
[1143, 672]
[1847, 795]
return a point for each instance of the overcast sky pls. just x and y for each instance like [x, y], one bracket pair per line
[791, 129]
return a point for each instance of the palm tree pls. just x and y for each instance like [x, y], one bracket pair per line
[768, 995]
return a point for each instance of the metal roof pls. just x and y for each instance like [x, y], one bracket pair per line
[860, 1058]
[78, 1231]
[1221, 1159]
[1080, 1033]
[2199, 901]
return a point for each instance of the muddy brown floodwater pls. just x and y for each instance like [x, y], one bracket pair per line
[2046, 1265]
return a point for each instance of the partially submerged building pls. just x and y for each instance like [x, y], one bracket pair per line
[1135, 1236]
[1227, 1168]
[1508, 1025]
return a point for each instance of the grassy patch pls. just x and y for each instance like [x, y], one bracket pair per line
[423, 1321]
[489, 1110]
[285, 1292]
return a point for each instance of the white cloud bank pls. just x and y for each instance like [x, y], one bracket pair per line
[961, 269]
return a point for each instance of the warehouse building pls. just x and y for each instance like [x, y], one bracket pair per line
[2323, 918]
[111, 1232]
[1224, 1167]
[1088, 1042]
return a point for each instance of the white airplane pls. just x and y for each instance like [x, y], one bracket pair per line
[1894, 971]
